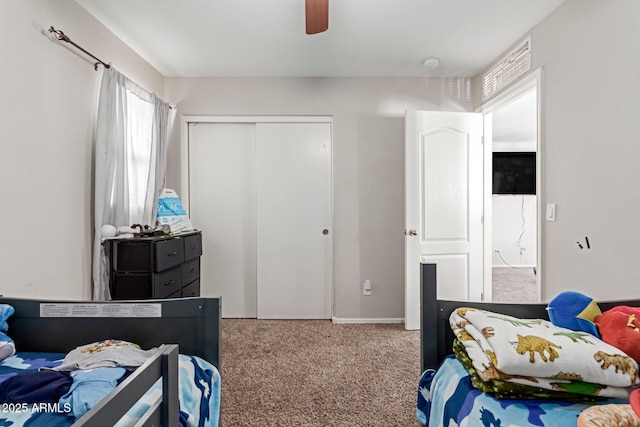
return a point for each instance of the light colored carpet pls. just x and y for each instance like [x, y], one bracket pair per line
[514, 284]
[316, 373]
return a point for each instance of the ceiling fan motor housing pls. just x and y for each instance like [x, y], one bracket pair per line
[317, 16]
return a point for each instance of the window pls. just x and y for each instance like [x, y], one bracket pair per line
[509, 68]
[139, 151]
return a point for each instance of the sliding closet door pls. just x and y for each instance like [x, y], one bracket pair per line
[293, 162]
[222, 193]
[261, 194]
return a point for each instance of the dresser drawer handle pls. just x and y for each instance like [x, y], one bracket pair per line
[192, 270]
[174, 253]
[195, 246]
[170, 282]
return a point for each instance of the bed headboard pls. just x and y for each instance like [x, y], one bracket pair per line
[436, 337]
[60, 326]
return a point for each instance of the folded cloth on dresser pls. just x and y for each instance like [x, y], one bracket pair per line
[537, 353]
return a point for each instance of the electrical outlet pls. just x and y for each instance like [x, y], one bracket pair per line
[366, 287]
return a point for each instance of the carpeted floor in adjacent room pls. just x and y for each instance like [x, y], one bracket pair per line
[514, 285]
[316, 373]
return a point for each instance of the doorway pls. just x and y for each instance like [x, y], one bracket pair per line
[512, 211]
[260, 191]
[476, 284]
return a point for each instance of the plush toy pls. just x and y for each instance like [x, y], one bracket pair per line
[575, 311]
[620, 327]
[634, 401]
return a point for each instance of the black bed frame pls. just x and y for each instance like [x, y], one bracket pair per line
[187, 325]
[436, 337]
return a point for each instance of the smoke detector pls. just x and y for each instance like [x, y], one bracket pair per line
[431, 63]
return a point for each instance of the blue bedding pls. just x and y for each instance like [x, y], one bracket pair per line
[199, 392]
[447, 398]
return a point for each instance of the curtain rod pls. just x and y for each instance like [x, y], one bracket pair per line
[63, 37]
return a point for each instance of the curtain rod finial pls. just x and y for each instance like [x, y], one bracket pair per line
[59, 34]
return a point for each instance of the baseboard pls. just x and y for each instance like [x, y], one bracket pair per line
[514, 266]
[366, 320]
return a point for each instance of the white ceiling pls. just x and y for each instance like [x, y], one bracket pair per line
[366, 38]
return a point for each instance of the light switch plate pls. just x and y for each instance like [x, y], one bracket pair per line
[551, 211]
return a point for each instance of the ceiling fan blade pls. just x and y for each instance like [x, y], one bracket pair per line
[317, 16]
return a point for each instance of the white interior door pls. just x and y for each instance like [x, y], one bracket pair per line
[294, 220]
[222, 195]
[443, 197]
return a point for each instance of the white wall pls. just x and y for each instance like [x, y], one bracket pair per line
[368, 165]
[591, 146]
[47, 115]
[514, 230]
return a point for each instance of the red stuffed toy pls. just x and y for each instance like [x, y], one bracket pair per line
[620, 327]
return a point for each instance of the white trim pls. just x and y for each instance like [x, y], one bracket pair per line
[346, 320]
[257, 119]
[533, 80]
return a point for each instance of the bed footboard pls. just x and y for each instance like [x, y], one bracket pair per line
[436, 336]
[46, 325]
[162, 365]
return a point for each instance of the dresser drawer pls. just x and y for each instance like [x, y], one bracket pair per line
[192, 289]
[169, 253]
[192, 246]
[174, 295]
[166, 283]
[131, 256]
[190, 271]
[131, 286]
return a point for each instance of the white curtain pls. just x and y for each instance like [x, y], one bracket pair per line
[130, 163]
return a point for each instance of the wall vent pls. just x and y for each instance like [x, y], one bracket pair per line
[509, 68]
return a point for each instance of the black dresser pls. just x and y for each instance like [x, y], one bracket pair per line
[154, 267]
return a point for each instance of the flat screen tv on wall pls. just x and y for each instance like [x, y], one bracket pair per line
[514, 172]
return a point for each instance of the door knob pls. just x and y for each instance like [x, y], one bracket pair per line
[412, 232]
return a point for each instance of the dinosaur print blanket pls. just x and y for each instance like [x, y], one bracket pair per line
[446, 397]
[536, 353]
